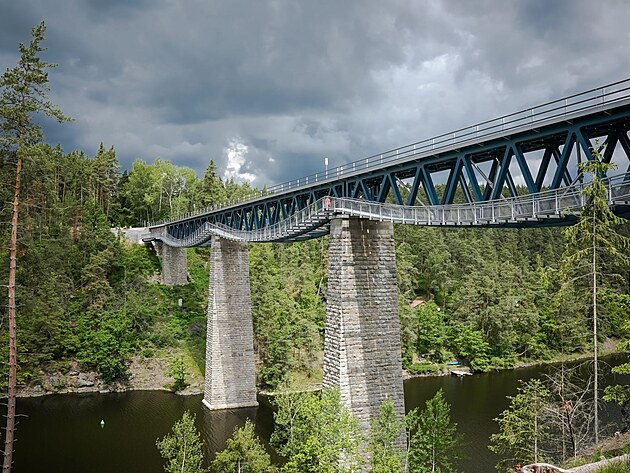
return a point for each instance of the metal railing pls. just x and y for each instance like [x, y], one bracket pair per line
[583, 103]
[533, 207]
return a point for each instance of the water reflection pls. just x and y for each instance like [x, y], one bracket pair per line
[62, 433]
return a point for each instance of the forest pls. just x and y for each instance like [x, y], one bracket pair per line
[488, 297]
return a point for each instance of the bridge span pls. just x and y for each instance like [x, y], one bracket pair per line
[520, 170]
[538, 148]
[549, 208]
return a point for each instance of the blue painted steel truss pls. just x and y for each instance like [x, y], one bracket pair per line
[487, 168]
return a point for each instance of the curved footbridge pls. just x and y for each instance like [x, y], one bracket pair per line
[357, 205]
[549, 208]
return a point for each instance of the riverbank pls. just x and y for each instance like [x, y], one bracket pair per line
[608, 347]
[135, 419]
[145, 374]
[149, 374]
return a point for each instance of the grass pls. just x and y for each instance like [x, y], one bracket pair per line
[617, 467]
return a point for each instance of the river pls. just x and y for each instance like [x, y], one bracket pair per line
[62, 433]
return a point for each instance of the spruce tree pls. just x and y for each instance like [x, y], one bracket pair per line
[594, 249]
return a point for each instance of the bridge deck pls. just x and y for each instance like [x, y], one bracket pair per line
[554, 207]
[479, 162]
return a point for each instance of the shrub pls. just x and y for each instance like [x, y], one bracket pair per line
[424, 368]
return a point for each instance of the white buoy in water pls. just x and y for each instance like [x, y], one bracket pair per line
[102, 423]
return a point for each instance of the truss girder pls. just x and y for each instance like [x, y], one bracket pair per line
[435, 179]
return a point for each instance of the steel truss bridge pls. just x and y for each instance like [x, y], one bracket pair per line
[477, 168]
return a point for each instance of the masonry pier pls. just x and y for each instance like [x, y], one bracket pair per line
[362, 353]
[174, 264]
[230, 368]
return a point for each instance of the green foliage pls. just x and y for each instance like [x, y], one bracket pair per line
[616, 467]
[619, 394]
[434, 440]
[182, 448]
[288, 308]
[386, 440]
[498, 305]
[521, 430]
[105, 343]
[243, 454]
[177, 371]
[471, 345]
[24, 94]
[432, 330]
[317, 434]
[214, 192]
[424, 368]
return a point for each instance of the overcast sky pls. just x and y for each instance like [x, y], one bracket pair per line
[267, 88]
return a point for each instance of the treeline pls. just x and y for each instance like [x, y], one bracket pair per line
[487, 297]
[86, 295]
[83, 294]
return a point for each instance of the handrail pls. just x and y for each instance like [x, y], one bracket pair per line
[577, 104]
[540, 206]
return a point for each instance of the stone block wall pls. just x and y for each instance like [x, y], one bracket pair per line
[230, 366]
[174, 264]
[362, 353]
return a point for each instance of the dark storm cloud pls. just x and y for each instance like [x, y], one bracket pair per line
[555, 46]
[260, 58]
[271, 87]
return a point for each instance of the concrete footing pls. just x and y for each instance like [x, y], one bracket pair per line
[230, 367]
[362, 340]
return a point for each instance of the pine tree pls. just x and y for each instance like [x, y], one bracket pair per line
[24, 94]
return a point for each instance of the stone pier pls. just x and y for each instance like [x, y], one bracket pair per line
[362, 340]
[174, 264]
[230, 367]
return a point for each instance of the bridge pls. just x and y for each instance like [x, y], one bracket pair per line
[552, 207]
[519, 170]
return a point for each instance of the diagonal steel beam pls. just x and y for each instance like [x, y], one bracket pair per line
[524, 167]
[562, 162]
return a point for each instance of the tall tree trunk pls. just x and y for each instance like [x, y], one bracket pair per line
[10, 430]
[595, 360]
[536, 437]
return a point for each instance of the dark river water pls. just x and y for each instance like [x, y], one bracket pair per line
[62, 433]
